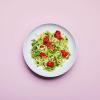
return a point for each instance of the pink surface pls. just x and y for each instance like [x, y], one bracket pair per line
[81, 18]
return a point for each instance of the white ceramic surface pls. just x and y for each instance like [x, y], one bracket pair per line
[31, 62]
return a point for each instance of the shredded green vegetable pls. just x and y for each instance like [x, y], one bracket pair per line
[54, 55]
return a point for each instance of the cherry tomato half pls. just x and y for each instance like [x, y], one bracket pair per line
[42, 54]
[57, 35]
[50, 64]
[64, 53]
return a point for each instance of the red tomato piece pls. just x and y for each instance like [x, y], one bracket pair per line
[57, 35]
[46, 40]
[42, 54]
[50, 46]
[64, 53]
[50, 64]
[48, 43]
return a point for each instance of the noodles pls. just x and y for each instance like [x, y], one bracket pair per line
[50, 50]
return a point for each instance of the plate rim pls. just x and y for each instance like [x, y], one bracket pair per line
[75, 58]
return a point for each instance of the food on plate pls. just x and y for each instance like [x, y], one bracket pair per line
[50, 50]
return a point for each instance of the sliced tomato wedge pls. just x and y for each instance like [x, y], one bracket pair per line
[46, 40]
[64, 53]
[42, 54]
[50, 46]
[48, 43]
[57, 35]
[50, 64]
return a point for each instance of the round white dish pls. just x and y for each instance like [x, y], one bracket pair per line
[31, 62]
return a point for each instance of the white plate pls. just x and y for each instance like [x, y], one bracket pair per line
[31, 62]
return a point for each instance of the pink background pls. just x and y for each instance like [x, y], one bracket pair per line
[18, 18]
